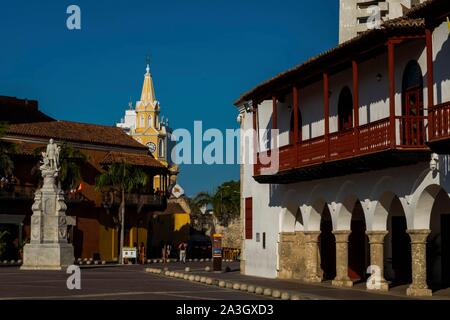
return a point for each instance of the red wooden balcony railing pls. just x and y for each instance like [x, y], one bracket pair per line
[368, 138]
[439, 122]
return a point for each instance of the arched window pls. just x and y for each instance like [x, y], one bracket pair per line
[412, 105]
[345, 110]
[291, 127]
[161, 151]
[142, 122]
[149, 121]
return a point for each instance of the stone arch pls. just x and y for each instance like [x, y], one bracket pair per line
[424, 206]
[291, 219]
[315, 215]
[381, 211]
[344, 213]
[432, 212]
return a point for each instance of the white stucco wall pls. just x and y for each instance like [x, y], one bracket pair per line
[441, 53]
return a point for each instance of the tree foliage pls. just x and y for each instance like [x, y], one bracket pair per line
[6, 150]
[225, 202]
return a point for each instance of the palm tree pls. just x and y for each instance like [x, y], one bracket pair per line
[225, 201]
[70, 160]
[6, 149]
[124, 178]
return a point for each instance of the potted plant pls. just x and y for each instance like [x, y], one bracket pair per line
[20, 248]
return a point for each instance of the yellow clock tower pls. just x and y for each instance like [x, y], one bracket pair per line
[149, 129]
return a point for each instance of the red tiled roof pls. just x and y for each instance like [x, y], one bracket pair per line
[399, 25]
[76, 132]
[143, 160]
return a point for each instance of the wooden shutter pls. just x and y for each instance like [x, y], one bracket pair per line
[248, 218]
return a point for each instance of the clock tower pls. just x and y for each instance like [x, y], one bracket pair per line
[149, 129]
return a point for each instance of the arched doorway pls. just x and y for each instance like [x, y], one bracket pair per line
[358, 251]
[345, 110]
[438, 244]
[327, 246]
[397, 246]
[412, 105]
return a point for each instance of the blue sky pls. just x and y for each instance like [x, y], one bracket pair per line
[204, 54]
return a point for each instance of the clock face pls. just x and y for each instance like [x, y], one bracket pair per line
[151, 146]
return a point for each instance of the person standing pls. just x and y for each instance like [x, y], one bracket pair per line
[182, 248]
[164, 253]
[142, 253]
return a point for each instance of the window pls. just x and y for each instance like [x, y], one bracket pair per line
[161, 151]
[142, 122]
[149, 121]
[291, 128]
[345, 110]
[248, 218]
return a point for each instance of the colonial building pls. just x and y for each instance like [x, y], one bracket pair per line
[92, 214]
[357, 16]
[358, 174]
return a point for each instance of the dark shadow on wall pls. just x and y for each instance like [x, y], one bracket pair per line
[441, 68]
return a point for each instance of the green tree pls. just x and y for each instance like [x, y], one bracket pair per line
[70, 161]
[6, 149]
[225, 201]
[123, 178]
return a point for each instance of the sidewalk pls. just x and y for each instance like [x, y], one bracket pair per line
[322, 291]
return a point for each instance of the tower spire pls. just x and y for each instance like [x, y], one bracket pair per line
[148, 91]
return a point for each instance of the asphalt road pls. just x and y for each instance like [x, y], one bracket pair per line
[109, 283]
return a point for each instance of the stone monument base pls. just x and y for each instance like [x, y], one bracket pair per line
[47, 256]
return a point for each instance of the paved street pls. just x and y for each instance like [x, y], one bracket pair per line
[109, 282]
[132, 282]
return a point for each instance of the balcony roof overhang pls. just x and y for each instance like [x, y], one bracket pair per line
[368, 162]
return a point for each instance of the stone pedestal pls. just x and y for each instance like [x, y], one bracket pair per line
[311, 256]
[376, 241]
[48, 248]
[418, 287]
[342, 279]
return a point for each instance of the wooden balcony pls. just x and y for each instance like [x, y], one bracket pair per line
[369, 147]
[439, 128]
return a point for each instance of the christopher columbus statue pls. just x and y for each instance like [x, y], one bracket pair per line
[51, 156]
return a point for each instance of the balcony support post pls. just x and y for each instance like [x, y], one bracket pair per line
[326, 113]
[255, 138]
[295, 105]
[274, 113]
[391, 71]
[297, 131]
[356, 104]
[430, 79]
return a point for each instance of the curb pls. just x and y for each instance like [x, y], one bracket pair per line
[237, 286]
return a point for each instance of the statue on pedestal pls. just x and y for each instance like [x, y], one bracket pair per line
[48, 248]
